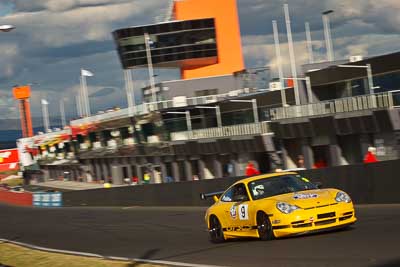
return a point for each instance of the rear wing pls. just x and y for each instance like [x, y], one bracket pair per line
[204, 196]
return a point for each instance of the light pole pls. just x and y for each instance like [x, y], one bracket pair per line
[6, 28]
[369, 74]
[130, 93]
[309, 43]
[327, 33]
[188, 119]
[254, 105]
[308, 86]
[291, 54]
[150, 67]
[217, 112]
[279, 61]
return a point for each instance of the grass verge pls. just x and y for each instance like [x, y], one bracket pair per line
[13, 182]
[13, 255]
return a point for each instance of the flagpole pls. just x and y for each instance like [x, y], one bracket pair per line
[87, 105]
[82, 107]
[85, 99]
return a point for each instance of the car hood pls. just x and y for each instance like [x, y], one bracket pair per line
[309, 198]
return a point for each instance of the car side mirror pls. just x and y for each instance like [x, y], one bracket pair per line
[318, 185]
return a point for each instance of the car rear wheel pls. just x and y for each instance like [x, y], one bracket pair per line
[264, 227]
[215, 230]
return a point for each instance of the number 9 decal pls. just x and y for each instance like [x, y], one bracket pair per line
[243, 212]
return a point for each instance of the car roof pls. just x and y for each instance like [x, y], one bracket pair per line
[263, 176]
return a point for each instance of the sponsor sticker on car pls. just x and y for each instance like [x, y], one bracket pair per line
[233, 212]
[304, 196]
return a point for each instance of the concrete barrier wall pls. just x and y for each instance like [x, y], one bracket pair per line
[366, 183]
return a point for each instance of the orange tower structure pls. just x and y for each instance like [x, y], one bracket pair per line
[22, 94]
[225, 14]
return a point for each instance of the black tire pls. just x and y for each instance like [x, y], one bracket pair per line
[264, 227]
[215, 230]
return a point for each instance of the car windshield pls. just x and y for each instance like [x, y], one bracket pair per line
[269, 187]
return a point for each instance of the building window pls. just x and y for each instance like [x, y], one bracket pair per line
[387, 82]
[206, 92]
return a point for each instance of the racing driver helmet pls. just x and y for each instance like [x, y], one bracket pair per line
[258, 190]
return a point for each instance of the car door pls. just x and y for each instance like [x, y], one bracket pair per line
[243, 207]
[235, 206]
[228, 214]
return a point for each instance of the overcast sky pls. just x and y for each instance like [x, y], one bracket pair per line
[55, 38]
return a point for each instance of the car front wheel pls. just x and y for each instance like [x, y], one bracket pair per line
[264, 227]
[215, 230]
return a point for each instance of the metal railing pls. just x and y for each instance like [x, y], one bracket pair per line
[145, 108]
[225, 131]
[348, 104]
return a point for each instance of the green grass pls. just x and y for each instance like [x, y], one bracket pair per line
[7, 173]
[13, 182]
[12, 255]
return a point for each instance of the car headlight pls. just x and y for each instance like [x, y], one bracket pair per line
[286, 208]
[342, 197]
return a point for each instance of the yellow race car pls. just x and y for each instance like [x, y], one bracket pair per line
[276, 205]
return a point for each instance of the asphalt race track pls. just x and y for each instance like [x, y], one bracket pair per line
[178, 234]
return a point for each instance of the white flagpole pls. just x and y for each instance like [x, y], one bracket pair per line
[81, 97]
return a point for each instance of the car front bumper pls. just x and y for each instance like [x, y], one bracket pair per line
[313, 220]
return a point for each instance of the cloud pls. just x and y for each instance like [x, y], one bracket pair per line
[103, 92]
[9, 59]
[55, 38]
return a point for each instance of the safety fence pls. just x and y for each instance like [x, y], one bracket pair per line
[146, 108]
[348, 104]
[225, 131]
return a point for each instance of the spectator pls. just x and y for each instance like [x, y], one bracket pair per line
[25, 177]
[300, 161]
[135, 180]
[169, 179]
[251, 170]
[146, 178]
[370, 156]
[320, 163]
[89, 177]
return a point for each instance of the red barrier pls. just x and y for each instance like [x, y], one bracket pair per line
[20, 199]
